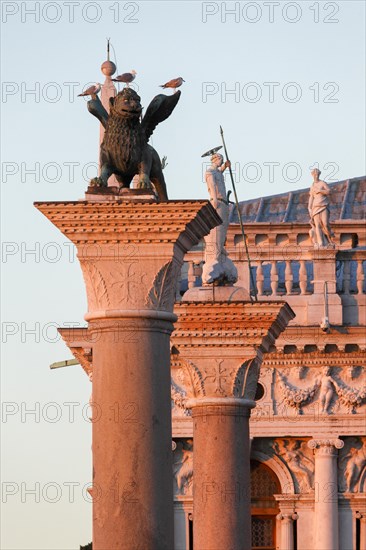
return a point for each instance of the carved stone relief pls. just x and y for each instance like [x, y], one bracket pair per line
[293, 396]
[246, 380]
[111, 284]
[296, 457]
[183, 467]
[309, 390]
[162, 294]
[351, 463]
[179, 401]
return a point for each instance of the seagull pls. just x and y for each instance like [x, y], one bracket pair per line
[93, 90]
[127, 78]
[175, 83]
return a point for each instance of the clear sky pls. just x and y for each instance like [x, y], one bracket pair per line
[284, 79]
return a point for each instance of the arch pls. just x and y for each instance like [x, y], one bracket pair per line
[279, 468]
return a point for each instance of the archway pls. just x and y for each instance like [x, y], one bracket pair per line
[264, 485]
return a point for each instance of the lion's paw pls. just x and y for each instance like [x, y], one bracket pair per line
[97, 182]
[144, 182]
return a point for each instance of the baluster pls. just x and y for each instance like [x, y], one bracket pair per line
[197, 272]
[191, 275]
[303, 277]
[260, 278]
[274, 277]
[346, 276]
[360, 276]
[288, 277]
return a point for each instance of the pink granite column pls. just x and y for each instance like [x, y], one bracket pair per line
[218, 345]
[221, 489]
[131, 252]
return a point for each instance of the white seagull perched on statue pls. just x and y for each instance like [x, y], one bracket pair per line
[93, 90]
[127, 78]
[175, 83]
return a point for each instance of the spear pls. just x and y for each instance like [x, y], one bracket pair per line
[240, 220]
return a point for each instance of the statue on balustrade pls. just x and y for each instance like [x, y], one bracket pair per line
[218, 268]
[320, 232]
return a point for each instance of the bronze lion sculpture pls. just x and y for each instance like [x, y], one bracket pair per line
[125, 150]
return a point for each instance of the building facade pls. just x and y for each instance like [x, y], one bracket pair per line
[308, 429]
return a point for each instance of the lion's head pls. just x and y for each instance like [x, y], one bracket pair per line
[127, 103]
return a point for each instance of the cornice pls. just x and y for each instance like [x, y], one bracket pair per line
[126, 221]
[314, 359]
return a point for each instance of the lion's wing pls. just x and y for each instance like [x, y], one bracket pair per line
[160, 108]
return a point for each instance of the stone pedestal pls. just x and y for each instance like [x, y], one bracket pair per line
[324, 261]
[326, 492]
[219, 347]
[131, 254]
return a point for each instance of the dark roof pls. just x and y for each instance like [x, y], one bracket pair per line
[348, 201]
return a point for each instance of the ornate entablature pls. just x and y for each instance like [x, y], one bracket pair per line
[314, 385]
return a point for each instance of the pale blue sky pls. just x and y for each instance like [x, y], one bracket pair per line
[322, 61]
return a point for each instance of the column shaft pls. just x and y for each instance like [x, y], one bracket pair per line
[287, 531]
[221, 508]
[132, 443]
[326, 493]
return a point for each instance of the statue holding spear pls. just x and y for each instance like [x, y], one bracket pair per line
[218, 268]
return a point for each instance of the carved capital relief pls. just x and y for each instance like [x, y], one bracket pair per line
[246, 379]
[186, 377]
[212, 378]
[161, 295]
[117, 284]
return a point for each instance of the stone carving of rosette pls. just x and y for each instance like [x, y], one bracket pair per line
[296, 397]
[351, 398]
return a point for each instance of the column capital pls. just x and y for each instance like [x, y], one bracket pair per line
[220, 345]
[287, 517]
[131, 252]
[326, 446]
